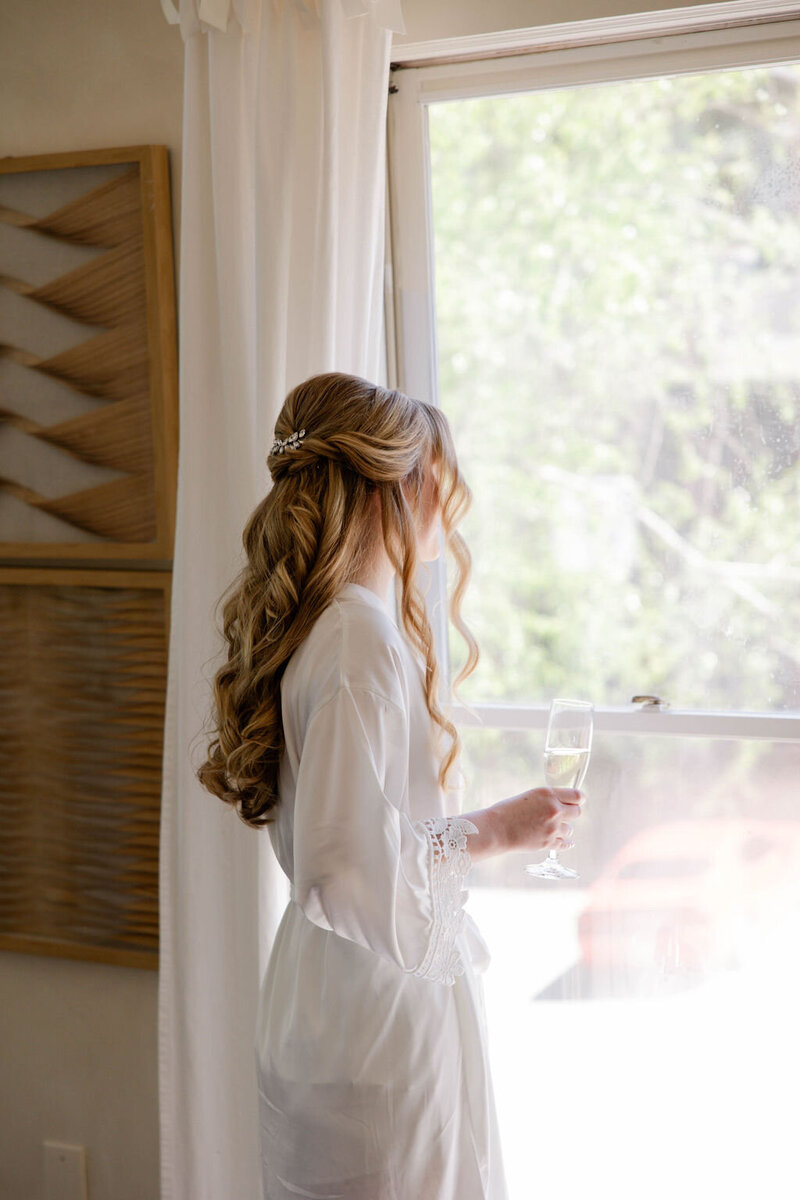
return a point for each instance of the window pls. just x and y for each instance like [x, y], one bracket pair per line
[596, 257]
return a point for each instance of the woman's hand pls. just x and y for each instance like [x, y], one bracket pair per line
[534, 820]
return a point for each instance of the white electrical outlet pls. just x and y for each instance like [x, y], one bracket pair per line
[64, 1172]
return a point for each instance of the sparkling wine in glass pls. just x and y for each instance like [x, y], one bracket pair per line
[567, 747]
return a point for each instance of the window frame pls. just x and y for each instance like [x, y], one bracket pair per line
[410, 290]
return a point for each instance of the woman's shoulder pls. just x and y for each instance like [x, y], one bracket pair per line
[354, 643]
[373, 649]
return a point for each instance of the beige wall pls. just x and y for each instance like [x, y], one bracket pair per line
[427, 19]
[78, 1048]
[79, 1059]
[79, 1065]
[88, 74]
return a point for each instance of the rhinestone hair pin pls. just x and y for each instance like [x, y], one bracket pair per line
[288, 443]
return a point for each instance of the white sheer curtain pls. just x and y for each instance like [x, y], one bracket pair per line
[281, 276]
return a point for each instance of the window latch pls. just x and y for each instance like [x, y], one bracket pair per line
[649, 701]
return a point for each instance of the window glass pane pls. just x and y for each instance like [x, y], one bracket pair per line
[646, 1011]
[636, 783]
[618, 318]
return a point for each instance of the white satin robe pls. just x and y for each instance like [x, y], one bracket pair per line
[371, 1051]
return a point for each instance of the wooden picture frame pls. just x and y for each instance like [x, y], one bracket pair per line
[88, 358]
[82, 691]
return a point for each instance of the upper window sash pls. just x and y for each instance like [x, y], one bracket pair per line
[410, 295]
[410, 314]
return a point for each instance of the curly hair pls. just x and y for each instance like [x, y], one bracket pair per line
[304, 541]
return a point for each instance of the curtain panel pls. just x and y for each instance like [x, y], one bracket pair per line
[281, 276]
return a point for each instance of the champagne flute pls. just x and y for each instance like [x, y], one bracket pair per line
[567, 747]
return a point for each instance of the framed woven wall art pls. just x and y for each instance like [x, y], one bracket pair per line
[88, 470]
[82, 690]
[88, 360]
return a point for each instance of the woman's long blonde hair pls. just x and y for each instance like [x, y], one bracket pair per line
[304, 541]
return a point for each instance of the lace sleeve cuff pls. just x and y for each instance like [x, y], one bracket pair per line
[449, 863]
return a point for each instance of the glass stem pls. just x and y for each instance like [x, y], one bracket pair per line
[553, 856]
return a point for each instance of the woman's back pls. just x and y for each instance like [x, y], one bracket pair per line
[356, 644]
[371, 1058]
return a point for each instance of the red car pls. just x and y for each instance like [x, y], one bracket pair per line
[693, 895]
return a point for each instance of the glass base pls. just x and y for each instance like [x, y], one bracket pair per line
[551, 868]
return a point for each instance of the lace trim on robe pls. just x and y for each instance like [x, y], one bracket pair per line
[449, 863]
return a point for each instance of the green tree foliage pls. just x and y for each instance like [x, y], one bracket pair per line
[617, 312]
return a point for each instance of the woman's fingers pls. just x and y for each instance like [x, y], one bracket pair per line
[570, 798]
[565, 839]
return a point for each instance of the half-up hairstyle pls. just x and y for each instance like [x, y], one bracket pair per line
[304, 541]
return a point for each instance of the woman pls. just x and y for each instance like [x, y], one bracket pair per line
[371, 1048]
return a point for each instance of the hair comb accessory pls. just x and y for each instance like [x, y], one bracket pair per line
[288, 443]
